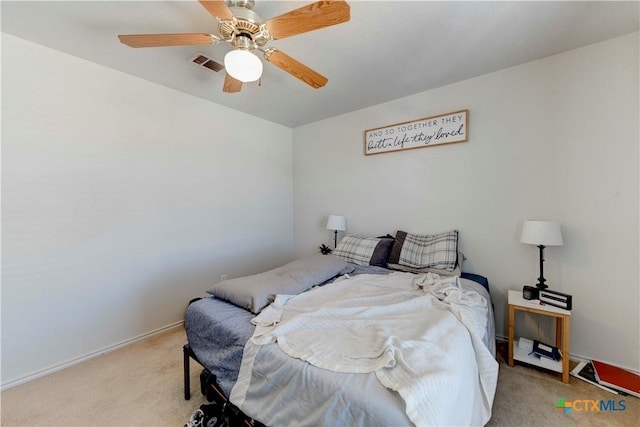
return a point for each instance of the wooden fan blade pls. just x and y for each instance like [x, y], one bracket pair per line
[159, 40]
[295, 68]
[231, 85]
[218, 9]
[308, 18]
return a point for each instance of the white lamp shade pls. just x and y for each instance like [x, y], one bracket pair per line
[545, 233]
[243, 65]
[337, 223]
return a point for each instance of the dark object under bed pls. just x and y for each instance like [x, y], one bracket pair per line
[210, 389]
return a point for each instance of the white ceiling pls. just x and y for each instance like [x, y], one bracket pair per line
[389, 49]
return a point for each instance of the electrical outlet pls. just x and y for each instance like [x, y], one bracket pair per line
[223, 277]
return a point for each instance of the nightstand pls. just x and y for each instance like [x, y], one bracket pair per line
[517, 303]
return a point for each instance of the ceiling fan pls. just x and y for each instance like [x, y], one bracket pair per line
[246, 31]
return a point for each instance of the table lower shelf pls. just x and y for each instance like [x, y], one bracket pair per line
[543, 362]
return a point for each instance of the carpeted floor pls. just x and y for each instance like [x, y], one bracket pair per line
[142, 385]
[138, 385]
[527, 396]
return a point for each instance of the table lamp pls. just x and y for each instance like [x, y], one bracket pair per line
[336, 223]
[541, 234]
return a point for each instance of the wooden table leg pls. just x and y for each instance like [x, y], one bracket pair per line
[565, 349]
[512, 313]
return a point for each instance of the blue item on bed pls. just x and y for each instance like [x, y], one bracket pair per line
[476, 278]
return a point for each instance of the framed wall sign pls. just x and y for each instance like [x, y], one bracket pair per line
[426, 132]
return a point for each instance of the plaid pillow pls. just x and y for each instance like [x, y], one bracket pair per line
[364, 250]
[426, 251]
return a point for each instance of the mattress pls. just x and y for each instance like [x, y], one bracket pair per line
[217, 332]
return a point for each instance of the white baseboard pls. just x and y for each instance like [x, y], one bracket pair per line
[84, 358]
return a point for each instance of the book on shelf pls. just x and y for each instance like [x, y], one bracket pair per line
[617, 378]
[585, 372]
[545, 350]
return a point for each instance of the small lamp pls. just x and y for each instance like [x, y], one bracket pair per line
[336, 223]
[541, 234]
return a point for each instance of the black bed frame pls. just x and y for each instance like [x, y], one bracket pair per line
[209, 388]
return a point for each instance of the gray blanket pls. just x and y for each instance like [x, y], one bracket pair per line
[218, 330]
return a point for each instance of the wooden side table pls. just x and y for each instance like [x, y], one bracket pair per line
[516, 302]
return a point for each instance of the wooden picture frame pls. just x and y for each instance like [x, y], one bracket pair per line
[426, 132]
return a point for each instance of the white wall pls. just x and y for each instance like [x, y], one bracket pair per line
[552, 139]
[122, 200]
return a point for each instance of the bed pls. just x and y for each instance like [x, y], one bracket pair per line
[325, 340]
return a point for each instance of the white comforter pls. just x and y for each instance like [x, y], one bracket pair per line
[420, 335]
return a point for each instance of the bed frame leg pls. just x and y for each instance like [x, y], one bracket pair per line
[187, 374]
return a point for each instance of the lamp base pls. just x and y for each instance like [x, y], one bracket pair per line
[541, 279]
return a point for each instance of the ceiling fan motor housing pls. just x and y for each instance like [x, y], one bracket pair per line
[244, 41]
[246, 23]
[247, 4]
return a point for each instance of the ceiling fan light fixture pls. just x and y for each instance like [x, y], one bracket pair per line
[243, 65]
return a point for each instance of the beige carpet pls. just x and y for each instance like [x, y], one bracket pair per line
[138, 385]
[141, 385]
[527, 396]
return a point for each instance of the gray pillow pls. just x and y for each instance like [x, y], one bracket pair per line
[457, 271]
[361, 250]
[257, 291]
[435, 251]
